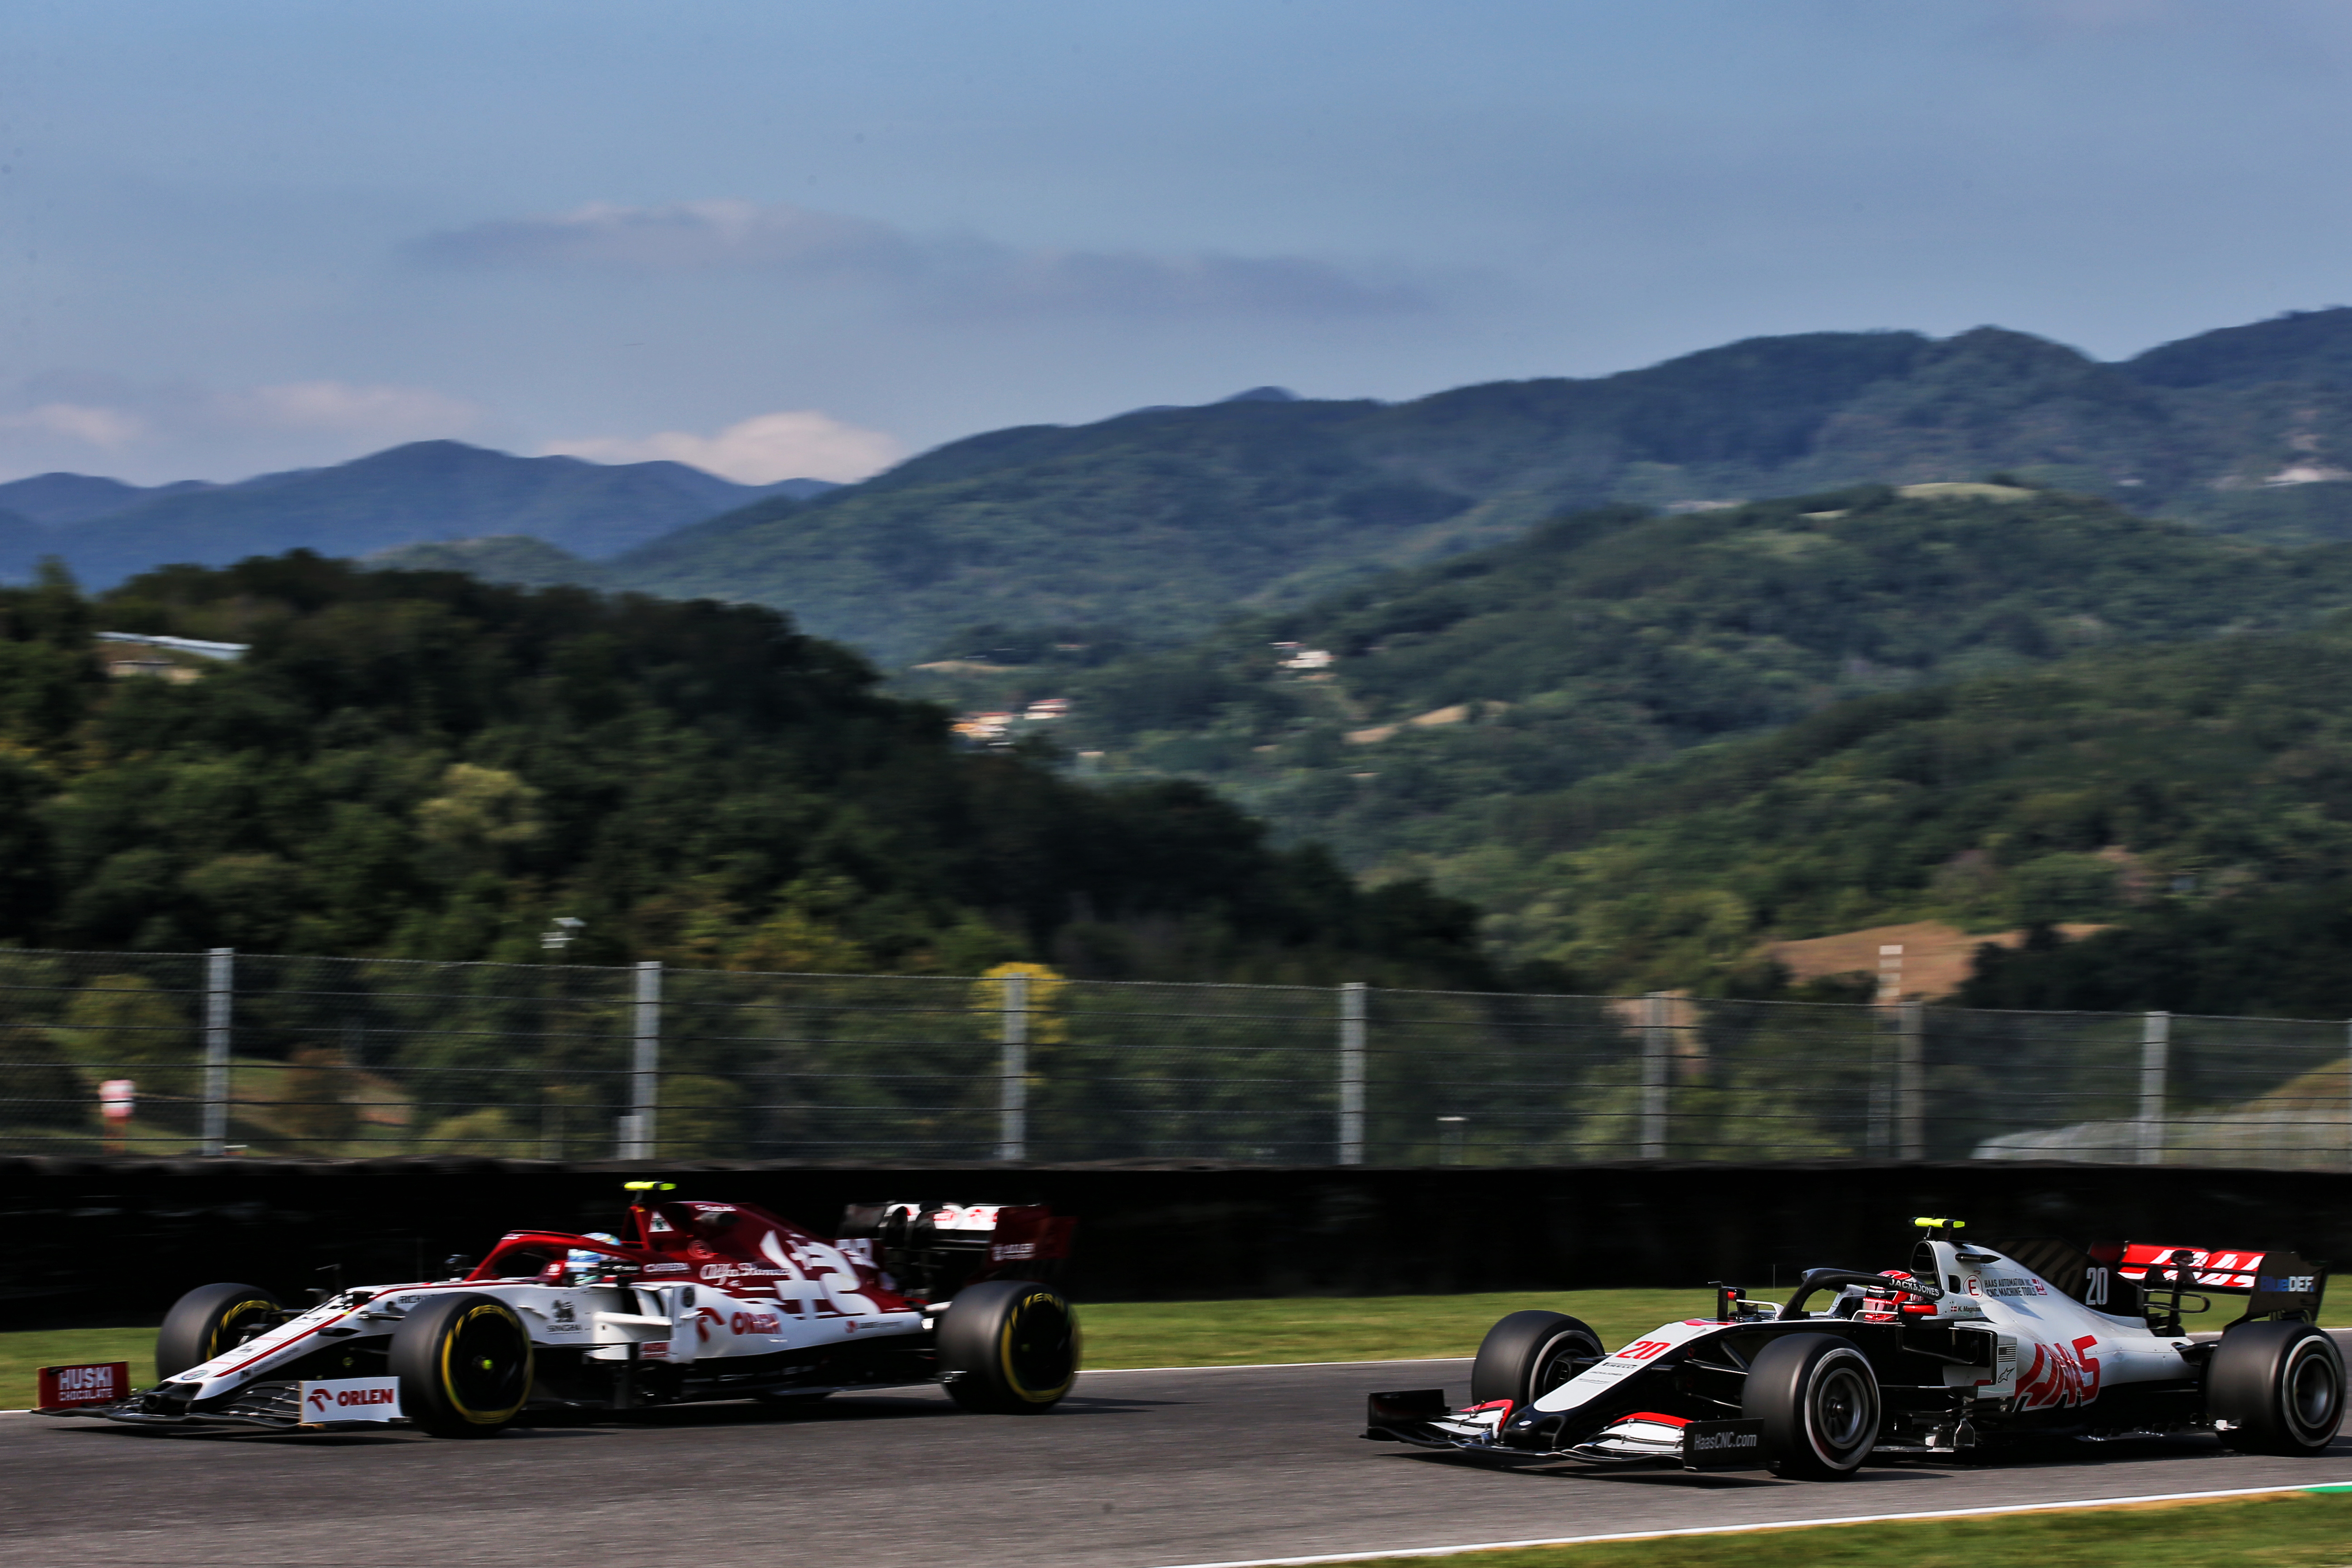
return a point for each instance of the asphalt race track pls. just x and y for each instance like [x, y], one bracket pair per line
[1138, 1470]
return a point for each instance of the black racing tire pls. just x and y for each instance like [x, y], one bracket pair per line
[464, 1365]
[1528, 1355]
[1009, 1347]
[2280, 1386]
[210, 1320]
[1818, 1398]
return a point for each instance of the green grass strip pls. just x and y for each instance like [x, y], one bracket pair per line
[23, 1353]
[1119, 1334]
[2309, 1527]
[1360, 1328]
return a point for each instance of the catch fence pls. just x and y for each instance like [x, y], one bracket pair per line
[225, 1053]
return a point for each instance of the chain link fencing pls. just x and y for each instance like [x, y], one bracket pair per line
[226, 1053]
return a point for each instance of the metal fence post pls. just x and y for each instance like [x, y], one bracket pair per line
[1351, 1073]
[1012, 1117]
[2155, 1037]
[644, 1066]
[220, 978]
[1910, 1079]
[1657, 1045]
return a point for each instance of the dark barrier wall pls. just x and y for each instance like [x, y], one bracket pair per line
[93, 1240]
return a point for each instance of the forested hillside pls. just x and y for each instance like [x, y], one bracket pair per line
[1160, 523]
[422, 765]
[513, 558]
[2195, 790]
[1611, 638]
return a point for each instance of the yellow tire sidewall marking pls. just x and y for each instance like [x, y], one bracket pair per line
[221, 1344]
[1005, 1348]
[448, 1382]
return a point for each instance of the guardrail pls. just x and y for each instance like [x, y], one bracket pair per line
[222, 1053]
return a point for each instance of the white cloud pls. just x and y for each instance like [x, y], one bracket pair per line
[940, 274]
[801, 444]
[105, 428]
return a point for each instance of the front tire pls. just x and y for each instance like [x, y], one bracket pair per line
[2280, 1386]
[1009, 1347]
[1528, 1355]
[211, 1321]
[464, 1362]
[1818, 1399]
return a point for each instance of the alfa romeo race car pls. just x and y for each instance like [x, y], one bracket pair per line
[1971, 1345]
[703, 1300]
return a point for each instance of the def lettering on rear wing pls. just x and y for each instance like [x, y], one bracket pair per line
[2271, 1282]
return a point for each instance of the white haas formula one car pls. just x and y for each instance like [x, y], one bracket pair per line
[705, 1301]
[1971, 1345]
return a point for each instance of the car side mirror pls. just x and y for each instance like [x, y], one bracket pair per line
[458, 1265]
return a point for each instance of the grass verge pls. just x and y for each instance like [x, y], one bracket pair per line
[23, 1353]
[1360, 1327]
[2296, 1529]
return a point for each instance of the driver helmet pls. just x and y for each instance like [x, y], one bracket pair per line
[583, 1258]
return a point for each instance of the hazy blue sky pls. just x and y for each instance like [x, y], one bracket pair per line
[783, 235]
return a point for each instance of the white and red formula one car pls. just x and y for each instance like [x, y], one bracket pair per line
[1970, 1346]
[703, 1301]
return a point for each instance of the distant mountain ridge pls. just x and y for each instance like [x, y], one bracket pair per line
[54, 499]
[1162, 522]
[426, 491]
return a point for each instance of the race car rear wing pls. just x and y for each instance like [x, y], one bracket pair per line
[932, 1250]
[2275, 1284]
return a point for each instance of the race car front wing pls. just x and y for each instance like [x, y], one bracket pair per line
[1421, 1418]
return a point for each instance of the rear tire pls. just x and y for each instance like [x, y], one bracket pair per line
[1009, 1347]
[210, 1321]
[2282, 1386]
[1528, 1355]
[1818, 1399]
[464, 1362]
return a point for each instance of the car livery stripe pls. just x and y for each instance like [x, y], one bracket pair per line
[2067, 1506]
[273, 1350]
[328, 1323]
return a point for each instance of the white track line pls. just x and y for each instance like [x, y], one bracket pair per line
[1775, 1524]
